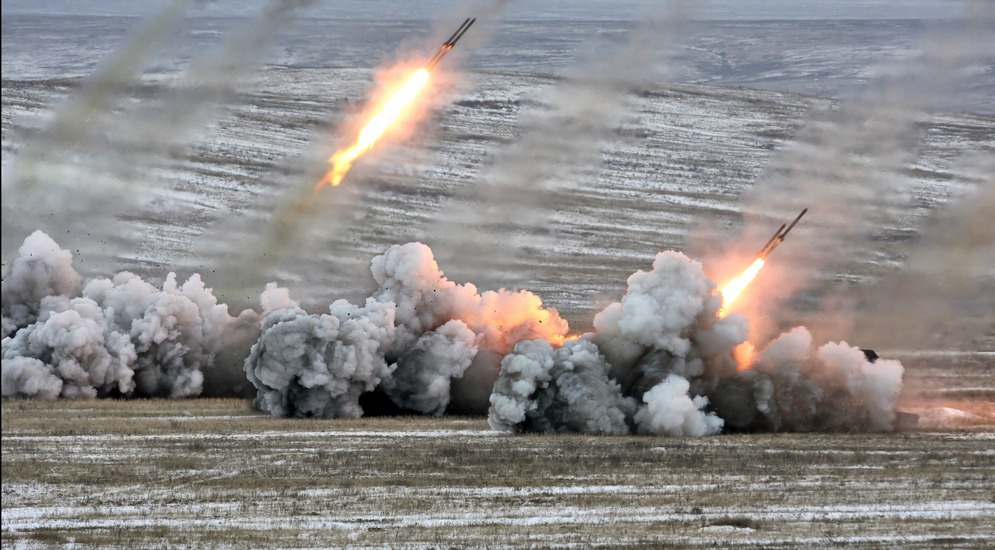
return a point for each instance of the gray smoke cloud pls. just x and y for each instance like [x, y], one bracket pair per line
[109, 337]
[565, 389]
[423, 379]
[663, 361]
[794, 386]
[413, 339]
[318, 365]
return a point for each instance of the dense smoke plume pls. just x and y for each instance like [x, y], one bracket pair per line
[412, 341]
[565, 389]
[661, 360]
[111, 337]
[794, 386]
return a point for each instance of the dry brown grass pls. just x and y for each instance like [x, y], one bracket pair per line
[212, 472]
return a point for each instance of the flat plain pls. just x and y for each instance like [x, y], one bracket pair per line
[216, 473]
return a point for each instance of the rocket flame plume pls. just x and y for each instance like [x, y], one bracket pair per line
[735, 287]
[342, 160]
[391, 110]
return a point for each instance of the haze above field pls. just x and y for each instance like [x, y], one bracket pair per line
[551, 9]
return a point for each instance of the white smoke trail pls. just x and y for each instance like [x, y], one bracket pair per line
[76, 120]
[853, 166]
[99, 180]
[485, 227]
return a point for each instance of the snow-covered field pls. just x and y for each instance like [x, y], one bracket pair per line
[213, 473]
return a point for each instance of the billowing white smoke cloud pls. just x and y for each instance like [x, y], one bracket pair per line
[564, 389]
[660, 362]
[69, 351]
[666, 323]
[29, 377]
[794, 386]
[417, 334]
[663, 333]
[665, 345]
[42, 269]
[670, 411]
[318, 365]
[410, 278]
[119, 336]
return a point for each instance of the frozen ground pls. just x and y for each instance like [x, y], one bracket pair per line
[213, 473]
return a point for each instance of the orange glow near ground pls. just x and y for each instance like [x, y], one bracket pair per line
[735, 287]
[745, 355]
[395, 105]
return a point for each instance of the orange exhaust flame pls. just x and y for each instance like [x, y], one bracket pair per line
[395, 105]
[735, 287]
[745, 356]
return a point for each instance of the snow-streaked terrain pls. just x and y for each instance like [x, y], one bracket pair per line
[210, 472]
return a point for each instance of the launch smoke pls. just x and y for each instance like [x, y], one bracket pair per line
[419, 333]
[414, 337]
[660, 360]
[663, 359]
[109, 337]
